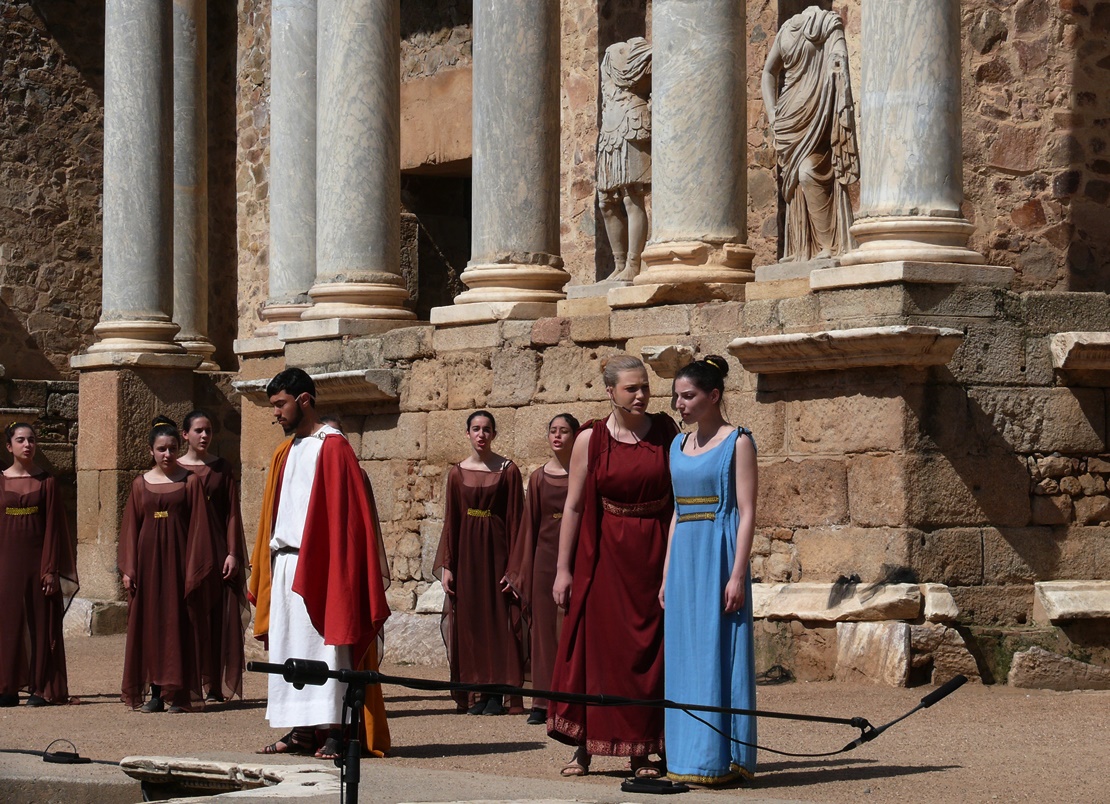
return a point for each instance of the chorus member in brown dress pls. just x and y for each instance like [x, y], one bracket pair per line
[220, 636]
[166, 560]
[536, 554]
[38, 577]
[485, 501]
[612, 545]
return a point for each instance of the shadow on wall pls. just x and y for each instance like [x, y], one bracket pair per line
[78, 28]
[22, 356]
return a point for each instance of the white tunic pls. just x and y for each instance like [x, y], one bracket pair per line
[291, 632]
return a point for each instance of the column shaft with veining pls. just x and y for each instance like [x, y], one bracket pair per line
[911, 152]
[358, 162]
[138, 179]
[699, 144]
[292, 158]
[190, 178]
[515, 225]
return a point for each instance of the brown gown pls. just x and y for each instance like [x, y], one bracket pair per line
[165, 545]
[481, 625]
[532, 567]
[612, 639]
[34, 543]
[220, 636]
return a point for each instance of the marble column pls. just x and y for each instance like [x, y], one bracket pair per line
[699, 144]
[190, 179]
[358, 163]
[911, 153]
[515, 224]
[137, 277]
[292, 159]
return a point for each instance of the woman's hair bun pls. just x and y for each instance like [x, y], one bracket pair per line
[717, 362]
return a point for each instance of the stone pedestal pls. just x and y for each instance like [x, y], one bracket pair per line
[358, 158]
[292, 160]
[911, 154]
[190, 180]
[699, 143]
[515, 263]
[138, 175]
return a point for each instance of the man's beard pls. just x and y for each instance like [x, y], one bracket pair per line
[290, 427]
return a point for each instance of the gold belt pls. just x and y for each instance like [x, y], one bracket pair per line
[161, 514]
[30, 509]
[479, 512]
[697, 515]
[698, 500]
[558, 515]
[643, 510]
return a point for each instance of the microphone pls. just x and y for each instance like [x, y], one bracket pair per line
[943, 691]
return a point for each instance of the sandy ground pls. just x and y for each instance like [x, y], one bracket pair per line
[980, 744]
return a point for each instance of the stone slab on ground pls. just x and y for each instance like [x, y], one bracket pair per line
[828, 602]
[876, 652]
[1071, 600]
[1037, 668]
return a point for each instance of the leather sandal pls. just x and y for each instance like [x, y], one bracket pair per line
[332, 746]
[295, 741]
[577, 766]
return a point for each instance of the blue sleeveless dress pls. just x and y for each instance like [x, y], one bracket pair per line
[710, 655]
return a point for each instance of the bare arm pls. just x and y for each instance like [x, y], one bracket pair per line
[747, 488]
[769, 82]
[572, 518]
[667, 560]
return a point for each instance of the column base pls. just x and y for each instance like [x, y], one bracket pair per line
[201, 347]
[136, 336]
[458, 315]
[280, 313]
[911, 273]
[359, 300]
[675, 293]
[512, 283]
[682, 262]
[912, 238]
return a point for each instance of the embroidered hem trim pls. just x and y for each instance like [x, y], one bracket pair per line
[161, 514]
[642, 510]
[697, 515]
[480, 512]
[735, 772]
[27, 511]
[603, 748]
[698, 500]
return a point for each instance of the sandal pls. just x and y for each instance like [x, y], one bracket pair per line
[296, 741]
[577, 766]
[331, 748]
[643, 769]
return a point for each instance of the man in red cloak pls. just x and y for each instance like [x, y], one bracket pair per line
[316, 578]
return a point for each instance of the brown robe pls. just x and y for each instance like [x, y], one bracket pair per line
[532, 568]
[165, 545]
[34, 543]
[481, 626]
[220, 636]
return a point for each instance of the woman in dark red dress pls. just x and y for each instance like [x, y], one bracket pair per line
[167, 564]
[536, 554]
[612, 545]
[220, 636]
[485, 501]
[38, 577]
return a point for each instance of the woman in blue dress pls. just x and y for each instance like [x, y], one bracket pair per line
[706, 591]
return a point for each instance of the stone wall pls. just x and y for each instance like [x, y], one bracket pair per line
[51, 124]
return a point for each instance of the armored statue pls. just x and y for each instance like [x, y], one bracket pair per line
[813, 125]
[624, 152]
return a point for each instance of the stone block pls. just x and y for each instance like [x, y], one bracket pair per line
[383, 481]
[777, 289]
[662, 294]
[764, 415]
[550, 331]
[424, 386]
[400, 599]
[584, 306]
[572, 374]
[516, 334]
[77, 619]
[515, 372]
[63, 406]
[414, 639]
[58, 459]
[1022, 555]
[260, 435]
[469, 380]
[992, 354]
[808, 651]
[430, 532]
[1068, 420]
[1056, 509]
[862, 422]
[398, 435]
[944, 651]
[760, 317]
[1049, 312]
[263, 368]
[720, 317]
[362, 353]
[875, 652]
[98, 447]
[874, 555]
[1037, 668]
[959, 490]
[408, 343]
[877, 490]
[527, 443]
[590, 328]
[446, 437]
[836, 602]
[940, 606]
[108, 617]
[804, 493]
[315, 355]
[952, 556]
[993, 605]
[1062, 601]
[477, 336]
[432, 600]
[638, 323]
[1092, 510]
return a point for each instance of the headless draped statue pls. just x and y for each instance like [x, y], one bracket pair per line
[813, 125]
[624, 152]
